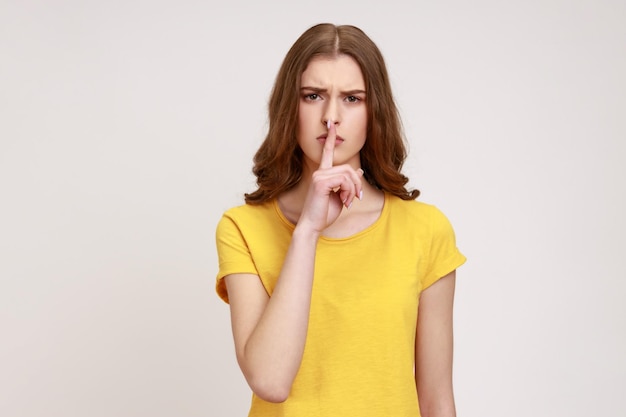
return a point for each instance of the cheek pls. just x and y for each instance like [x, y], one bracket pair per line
[300, 128]
[307, 127]
[359, 118]
[363, 126]
[303, 120]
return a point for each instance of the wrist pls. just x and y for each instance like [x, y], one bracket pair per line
[305, 232]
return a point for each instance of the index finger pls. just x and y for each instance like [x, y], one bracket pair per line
[328, 152]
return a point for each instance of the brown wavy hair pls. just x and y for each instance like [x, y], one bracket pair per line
[278, 162]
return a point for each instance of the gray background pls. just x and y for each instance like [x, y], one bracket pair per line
[127, 127]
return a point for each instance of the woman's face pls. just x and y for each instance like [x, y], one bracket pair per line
[332, 88]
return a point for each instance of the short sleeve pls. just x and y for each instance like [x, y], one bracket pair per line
[233, 254]
[444, 256]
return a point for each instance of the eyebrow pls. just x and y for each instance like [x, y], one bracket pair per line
[324, 90]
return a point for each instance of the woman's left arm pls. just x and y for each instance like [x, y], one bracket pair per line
[434, 348]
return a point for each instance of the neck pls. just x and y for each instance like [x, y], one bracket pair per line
[360, 215]
[291, 202]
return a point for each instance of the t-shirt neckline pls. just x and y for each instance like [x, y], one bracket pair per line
[374, 225]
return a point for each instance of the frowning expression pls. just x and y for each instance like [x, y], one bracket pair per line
[332, 88]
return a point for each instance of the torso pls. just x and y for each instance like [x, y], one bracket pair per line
[360, 346]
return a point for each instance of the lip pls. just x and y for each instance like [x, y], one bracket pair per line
[322, 139]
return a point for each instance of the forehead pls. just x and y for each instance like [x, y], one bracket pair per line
[337, 71]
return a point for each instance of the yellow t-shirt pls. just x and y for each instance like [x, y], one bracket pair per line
[359, 353]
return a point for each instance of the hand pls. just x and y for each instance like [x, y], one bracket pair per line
[331, 189]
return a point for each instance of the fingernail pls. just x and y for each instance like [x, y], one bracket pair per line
[360, 170]
[361, 195]
[328, 124]
[350, 205]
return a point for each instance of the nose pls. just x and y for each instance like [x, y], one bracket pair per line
[330, 113]
[325, 122]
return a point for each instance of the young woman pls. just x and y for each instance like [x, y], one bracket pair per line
[340, 284]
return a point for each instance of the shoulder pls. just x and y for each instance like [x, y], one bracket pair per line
[249, 219]
[422, 220]
[248, 212]
[414, 211]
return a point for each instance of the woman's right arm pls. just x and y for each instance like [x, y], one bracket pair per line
[270, 332]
